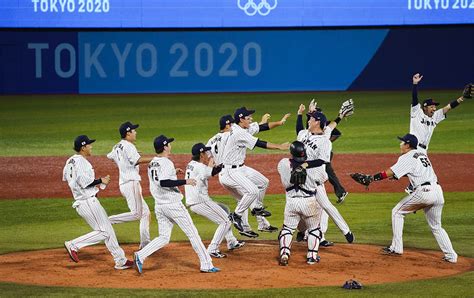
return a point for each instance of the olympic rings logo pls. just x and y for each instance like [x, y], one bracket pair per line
[251, 8]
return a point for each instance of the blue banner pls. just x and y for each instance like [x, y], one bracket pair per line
[231, 13]
[129, 62]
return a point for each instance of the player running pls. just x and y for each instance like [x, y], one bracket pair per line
[427, 195]
[201, 168]
[168, 207]
[127, 158]
[80, 176]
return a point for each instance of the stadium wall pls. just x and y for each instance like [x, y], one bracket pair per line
[90, 62]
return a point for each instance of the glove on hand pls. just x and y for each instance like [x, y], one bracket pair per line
[298, 175]
[467, 92]
[347, 108]
[362, 179]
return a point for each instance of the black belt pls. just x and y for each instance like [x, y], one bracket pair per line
[232, 166]
[427, 183]
[422, 146]
[311, 193]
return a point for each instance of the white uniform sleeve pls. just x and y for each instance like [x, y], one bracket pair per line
[83, 174]
[414, 111]
[284, 169]
[254, 128]
[327, 131]
[132, 154]
[247, 140]
[325, 150]
[403, 166]
[439, 116]
[110, 155]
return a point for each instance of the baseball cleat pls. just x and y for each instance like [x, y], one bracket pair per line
[127, 265]
[449, 260]
[389, 252]
[326, 243]
[212, 270]
[349, 237]
[236, 245]
[269, 229]
[260, 212]
[250, 234]
[284, 260]
[138, 263]
[312, 261]
[72, 253]
[217, 255]
[236, 220]
[341, 199]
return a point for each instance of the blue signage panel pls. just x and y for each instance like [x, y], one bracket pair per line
[129, 62]
[38, 62]
[231, 13]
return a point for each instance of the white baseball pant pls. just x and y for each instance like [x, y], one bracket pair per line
[94, 214]
[132, 192]
[176, 213]
[329, 210]
[429, 198]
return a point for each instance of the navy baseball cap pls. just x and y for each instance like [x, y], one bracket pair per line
[161, 141]
[319, 116]
[126, 127]
[410, 140]
[225, 120]
[430, 102]
[80, 141]
[242, 113]
[198, 148]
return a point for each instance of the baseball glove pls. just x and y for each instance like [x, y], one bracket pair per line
[467, 93]
[347, 108]
[352, 284]
[298, 175]
[362, 179]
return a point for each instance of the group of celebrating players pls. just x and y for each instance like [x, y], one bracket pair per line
[303, 175]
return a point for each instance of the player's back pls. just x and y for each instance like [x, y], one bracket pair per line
[217, 144]
[285, 168]
[79, 173]
[162, 168]
[201, 173]
[126, 156]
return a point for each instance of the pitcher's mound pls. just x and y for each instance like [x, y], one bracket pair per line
[253, 266]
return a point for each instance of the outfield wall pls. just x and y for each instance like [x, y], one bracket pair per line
[233, 61]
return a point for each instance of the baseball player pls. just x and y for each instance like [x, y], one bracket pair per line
[168, 207]
[127, 158]
[300, 203]
[339, 190]
[80, 176]
[318, 146]
[226, 123]
[427, 195]
[424, 118]
[238, 177]
[201, 168]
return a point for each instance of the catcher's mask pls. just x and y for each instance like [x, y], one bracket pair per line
[298, 151]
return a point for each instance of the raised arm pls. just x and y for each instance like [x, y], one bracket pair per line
[414, 93]
[299, 119]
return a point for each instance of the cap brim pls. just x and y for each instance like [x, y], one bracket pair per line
[401, 139]
[206, 149]
[170, 140]
[90, 142]
[251, 112]
[134, 126]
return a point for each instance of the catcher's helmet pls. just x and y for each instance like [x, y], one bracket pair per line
[298, 151]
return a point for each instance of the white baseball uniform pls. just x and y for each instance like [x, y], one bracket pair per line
[319, 147]
[126, 156]
[241, 180]
[219, 141]
[198, 200]
[79, 174]
[427, 195]
[422, 126]
[300, 206]
[169, 211]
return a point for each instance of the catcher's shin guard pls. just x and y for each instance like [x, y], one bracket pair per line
[314, 237]
[285, 238]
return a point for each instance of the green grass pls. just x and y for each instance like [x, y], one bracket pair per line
[47, 125]
[48, 223]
